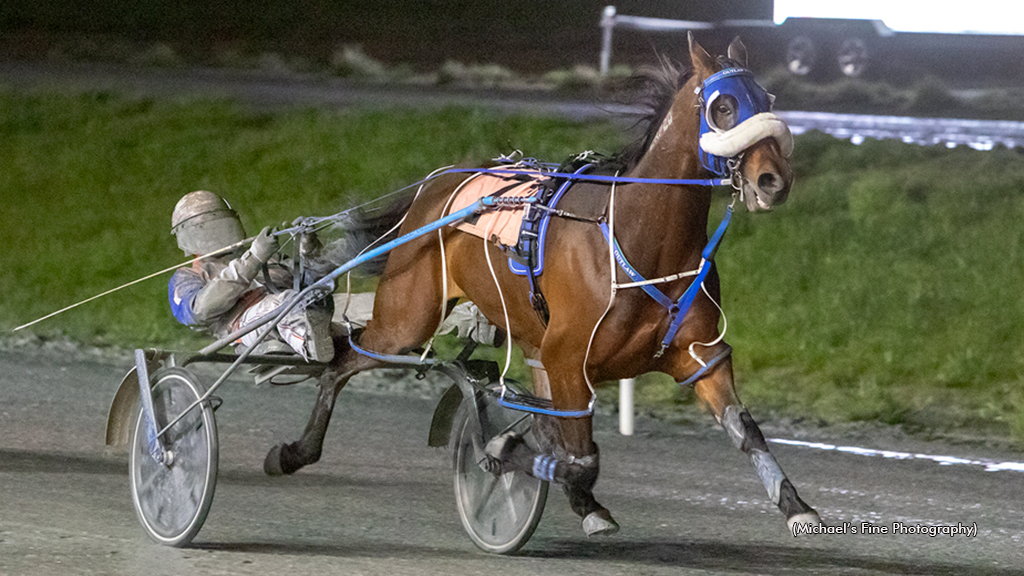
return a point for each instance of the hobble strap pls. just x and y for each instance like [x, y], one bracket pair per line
[391, 358]
[707, 366]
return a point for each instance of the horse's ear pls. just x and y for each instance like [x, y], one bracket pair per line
[737, 51]
[703, 63]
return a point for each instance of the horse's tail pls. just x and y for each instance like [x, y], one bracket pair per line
[359, 230]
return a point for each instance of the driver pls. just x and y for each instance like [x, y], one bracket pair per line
[221, 294]
[224, 293]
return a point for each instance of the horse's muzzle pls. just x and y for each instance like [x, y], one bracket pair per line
[767, 176]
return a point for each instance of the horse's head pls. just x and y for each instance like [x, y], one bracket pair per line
[739, 135]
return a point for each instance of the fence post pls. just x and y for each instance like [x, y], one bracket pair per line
[626, 406]
[607, 23]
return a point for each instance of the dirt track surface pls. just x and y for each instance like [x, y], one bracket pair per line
[380, 501]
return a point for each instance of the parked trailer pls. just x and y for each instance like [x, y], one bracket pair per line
[823, 39]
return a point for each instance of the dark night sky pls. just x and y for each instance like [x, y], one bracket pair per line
[524, 35]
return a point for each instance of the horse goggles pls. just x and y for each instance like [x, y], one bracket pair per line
[754, 119]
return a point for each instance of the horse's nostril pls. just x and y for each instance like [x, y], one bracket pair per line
[769, 182]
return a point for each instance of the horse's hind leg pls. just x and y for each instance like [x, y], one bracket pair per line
[567, 456]
[717, 390]
[288, 458]
[407, 311]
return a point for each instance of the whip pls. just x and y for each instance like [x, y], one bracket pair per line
[225, 249]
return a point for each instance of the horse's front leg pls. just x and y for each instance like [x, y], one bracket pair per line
[717, 389]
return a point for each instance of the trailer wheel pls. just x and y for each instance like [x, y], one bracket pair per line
[801, 54]
[852, 57]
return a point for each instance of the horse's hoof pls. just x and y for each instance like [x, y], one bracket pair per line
[272, 464]
[600, 523]
[803, 519]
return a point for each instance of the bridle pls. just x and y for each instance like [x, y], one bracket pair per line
[720, 149]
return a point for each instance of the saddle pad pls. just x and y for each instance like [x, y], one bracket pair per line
[501, 224]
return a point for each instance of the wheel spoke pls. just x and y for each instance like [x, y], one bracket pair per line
[507, 479]
[484, 498]
[499, 512]
[148, 483]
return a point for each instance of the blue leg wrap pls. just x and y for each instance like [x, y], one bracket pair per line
[544, 467]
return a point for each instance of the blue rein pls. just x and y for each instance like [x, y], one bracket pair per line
[591, 177]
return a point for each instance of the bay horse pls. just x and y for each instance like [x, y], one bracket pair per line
[593, 332]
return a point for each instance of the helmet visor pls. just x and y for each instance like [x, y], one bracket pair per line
[209, 233]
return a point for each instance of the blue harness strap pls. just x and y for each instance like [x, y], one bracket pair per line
[521, 405]
[708, 365]
[406, 360]
[678, 309]
[635, 276]
[596, 177]
[686, 300]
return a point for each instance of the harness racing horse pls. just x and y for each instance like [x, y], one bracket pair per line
[593, 332]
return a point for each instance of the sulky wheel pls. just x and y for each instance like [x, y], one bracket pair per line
[171, 501]
[499, 512]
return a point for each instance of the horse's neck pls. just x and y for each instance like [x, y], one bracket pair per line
[672, 152]
[668, 223]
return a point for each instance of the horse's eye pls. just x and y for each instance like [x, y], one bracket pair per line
[723, 112]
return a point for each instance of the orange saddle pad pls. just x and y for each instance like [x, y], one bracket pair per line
[499, 224]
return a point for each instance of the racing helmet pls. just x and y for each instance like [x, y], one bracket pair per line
[203, 222]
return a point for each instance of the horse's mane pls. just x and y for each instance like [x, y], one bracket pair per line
[654, 90]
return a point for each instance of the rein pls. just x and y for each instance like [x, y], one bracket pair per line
[593, 177]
